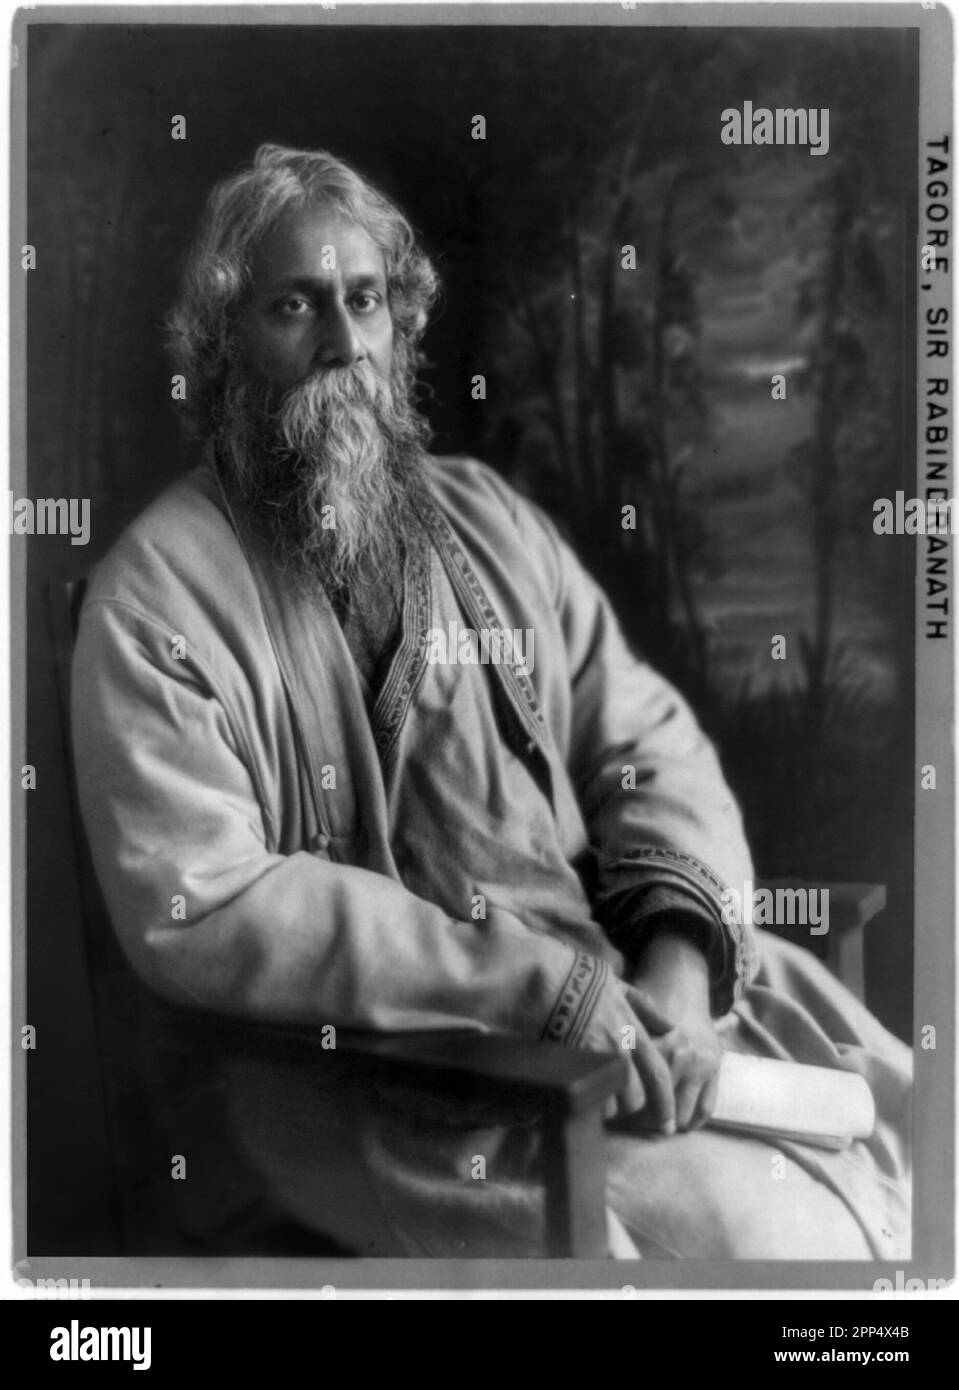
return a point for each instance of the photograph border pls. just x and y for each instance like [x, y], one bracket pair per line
[934, 996]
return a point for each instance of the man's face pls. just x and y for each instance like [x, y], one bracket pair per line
[312, 424]
[318, 300]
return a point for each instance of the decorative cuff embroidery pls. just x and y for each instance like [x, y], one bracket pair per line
[573, 1009]
[700, 881]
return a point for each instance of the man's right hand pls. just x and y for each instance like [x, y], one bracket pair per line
[658, 1108]
[626, 1020]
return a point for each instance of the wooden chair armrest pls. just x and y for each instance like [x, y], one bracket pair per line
[541, 1074]
[565, 1088]
[853, 905]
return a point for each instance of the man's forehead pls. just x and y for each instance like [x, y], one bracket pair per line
[317, 242]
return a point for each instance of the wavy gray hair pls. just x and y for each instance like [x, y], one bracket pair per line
[240, 212]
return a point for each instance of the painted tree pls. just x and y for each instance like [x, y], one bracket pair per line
[605, 396]
[851, 231]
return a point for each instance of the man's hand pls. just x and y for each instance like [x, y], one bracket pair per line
[690, 1054]
[669, 993]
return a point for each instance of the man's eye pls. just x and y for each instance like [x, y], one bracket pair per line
[294, 306]
[366, 301]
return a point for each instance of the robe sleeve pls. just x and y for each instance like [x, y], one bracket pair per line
[663, 824]
[210, 917]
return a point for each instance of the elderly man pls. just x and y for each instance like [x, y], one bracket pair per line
[305, 805]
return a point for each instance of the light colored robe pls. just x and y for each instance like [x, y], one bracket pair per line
[267, 848]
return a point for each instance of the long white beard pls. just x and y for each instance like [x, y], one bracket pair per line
[331, 472]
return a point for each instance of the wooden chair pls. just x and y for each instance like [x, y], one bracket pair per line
[566, 1089]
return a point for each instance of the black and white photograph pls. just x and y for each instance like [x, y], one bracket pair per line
[482, 542]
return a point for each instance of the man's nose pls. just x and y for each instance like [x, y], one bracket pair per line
[339, 343]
